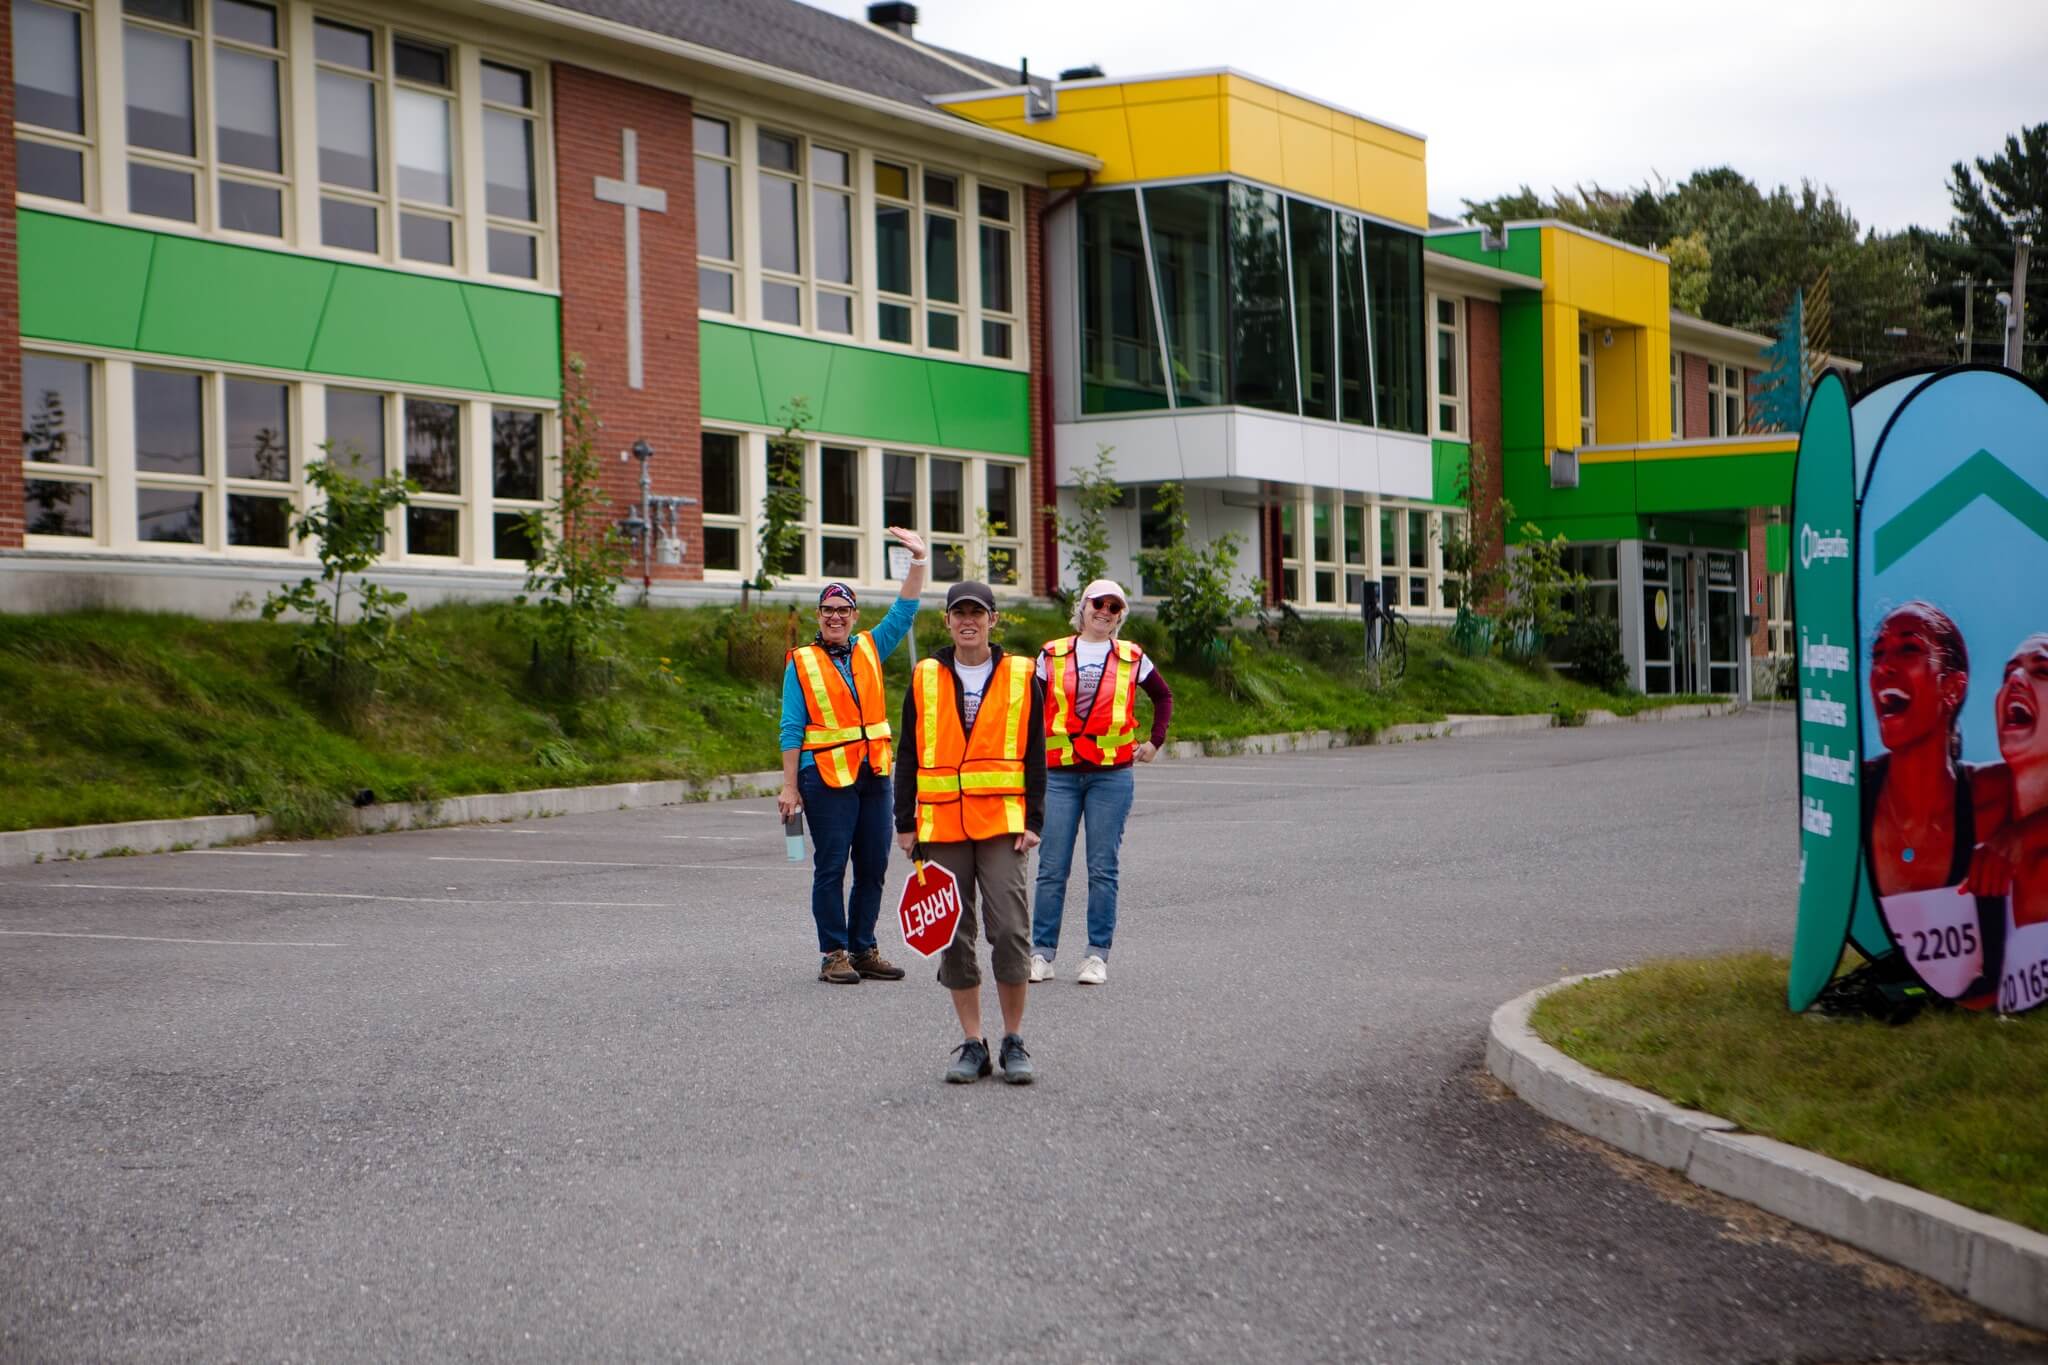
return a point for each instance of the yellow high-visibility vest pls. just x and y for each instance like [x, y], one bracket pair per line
[971, 785]
[1109, 735]
[842, 729]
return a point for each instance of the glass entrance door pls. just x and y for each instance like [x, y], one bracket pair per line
[1684, 637]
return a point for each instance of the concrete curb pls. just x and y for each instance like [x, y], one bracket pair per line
[1997, 1264]
[210, 831]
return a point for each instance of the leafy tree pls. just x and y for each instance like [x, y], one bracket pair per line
[2006, 195]
[578, 554]
[1196, 583]
[346, 519]
[1538, 588]
[1086, 534]
[1476, 554]
[781, 538]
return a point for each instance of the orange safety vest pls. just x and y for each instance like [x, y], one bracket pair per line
[970, 786]
[843, 729]
[1110, 734]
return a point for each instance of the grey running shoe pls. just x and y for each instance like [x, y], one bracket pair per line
[970, 1063]
[1017, 1067]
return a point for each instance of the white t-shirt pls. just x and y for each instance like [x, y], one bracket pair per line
[973, 682]
[1090, 658]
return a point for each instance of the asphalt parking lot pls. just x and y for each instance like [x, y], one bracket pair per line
[568, 1089]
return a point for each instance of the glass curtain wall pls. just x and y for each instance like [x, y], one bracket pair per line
[1267, 302]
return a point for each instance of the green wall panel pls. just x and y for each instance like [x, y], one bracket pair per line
[1778, 547]
[1584, 528]
[1524, 255]
[1521, 369]
[80, 281]
[247, 307]
[1447, 460]
[103, 285]
[1708, 483]
[749, 376]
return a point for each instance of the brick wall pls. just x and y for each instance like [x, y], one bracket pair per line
[1040, 487]
[592, 112]
[1692, 383]
[1759, 592]
[1482, 368]
[11, 483]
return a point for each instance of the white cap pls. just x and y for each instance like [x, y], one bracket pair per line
[1104, 587]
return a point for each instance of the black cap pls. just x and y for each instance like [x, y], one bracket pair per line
[970, 592]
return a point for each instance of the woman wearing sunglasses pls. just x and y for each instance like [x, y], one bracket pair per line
[1091, 725]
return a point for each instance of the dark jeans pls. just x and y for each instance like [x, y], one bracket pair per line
[857, 822]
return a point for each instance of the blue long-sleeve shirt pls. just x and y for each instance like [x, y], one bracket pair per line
[888, 633]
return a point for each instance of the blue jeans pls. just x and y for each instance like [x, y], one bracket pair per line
[854, 822]
[1103, 797]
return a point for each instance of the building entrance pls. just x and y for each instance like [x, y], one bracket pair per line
[1692, 621]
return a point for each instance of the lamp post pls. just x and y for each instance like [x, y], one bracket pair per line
[653, 520]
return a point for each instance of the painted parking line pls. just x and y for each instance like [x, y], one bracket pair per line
[1233, 782]
[587, 862]
[238, 853]
[147, 938]
[349, 896]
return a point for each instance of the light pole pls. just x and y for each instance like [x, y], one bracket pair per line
[652, 520]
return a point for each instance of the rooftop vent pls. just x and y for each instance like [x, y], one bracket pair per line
[896, 17]
[1090, 72]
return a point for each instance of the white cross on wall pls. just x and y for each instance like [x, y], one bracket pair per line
[635, 196]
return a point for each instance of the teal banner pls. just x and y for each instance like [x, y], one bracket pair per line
[1824, 604]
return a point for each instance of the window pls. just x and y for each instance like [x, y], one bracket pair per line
[1393, 268]
[52, 145]
[942, 261]
[780, 190]
[717, 257]
[1448, 334]
[163, 143]
[995, 207]
[1333, 567]
[1311, 248]
[1586, 388]
[259, 463]
[1778, 617]
[1677, 401]
[1724, 399]
[170, 457]
[1262, 358]
[65, 483]
[511, 192]
[1121, 365]
[518, 471]
[838, 504]
[724, 512]
[1001, 492]
[1188, 248]
[832, 239]
[433, 460]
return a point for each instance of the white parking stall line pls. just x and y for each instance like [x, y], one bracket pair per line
[348, 896]
[1230, 782]
[584, 862]
[148, 938]
[725, 838]
[237, 853]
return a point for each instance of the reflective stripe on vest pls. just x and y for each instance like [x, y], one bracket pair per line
[847, 725]
[1110, 735]
[970, 785]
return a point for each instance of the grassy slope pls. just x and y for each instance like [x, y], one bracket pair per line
[117, 716]
[1951, 1103]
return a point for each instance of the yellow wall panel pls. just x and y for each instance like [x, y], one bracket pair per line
[990, 110]
[1295, 107]
[1179, 88]
[1091, 97]
[1253, 141]
[1617, 399]
[1238, 88]
[1184, 137]
[1561, 374]
[1099, 132]
[1391, 186]
[1305, 151]
[1653, 383]
[1344, 169]
[1403, 144]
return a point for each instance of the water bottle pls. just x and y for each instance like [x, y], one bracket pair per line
[793, 835]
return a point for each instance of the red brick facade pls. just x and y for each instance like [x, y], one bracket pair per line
[1692, 386]
[1039, 486]
[12, 485]
[592, 113]
[1482, 369]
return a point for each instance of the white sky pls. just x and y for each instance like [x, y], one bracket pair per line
[1874, 98]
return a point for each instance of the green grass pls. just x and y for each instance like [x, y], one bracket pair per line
[128, 716]
[1954, 1104]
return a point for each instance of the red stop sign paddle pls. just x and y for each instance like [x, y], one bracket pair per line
[929, 910]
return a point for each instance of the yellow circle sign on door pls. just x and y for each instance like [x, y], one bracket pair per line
[1663, 610]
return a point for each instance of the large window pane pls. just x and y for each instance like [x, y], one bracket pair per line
[59, 507]
[1393, 263]
[721, 480]
[58, 172]
[1354, 349]
[170, 435]
[782, 303]
[1262, 344]
[508, 85]
[1120, 364]
[508, 166]
[1188, 251]
[56, 410]
[158, 85]
[1418, 540]
[722, 547]
[355, 431]
[433, 446]
[421, 238]
[780, 240]
[899, 490]
[344, 46]
[839, 486]
[433, 531]
[348, 224]
[513, 253]
[515, 454]
[425, 171]
[995, 269]
[348, 131]
[161, 192]
[264, 523]
[949, 502]
[1002, 498]
[835, 313]
[713, 136]
[245, 22]
[245, 110]
[413, 60]
[892, 249]
[259, 431]
[1309, 231]
[714, 209]
[251, 208]
[832, 226]
[170, 516]
[941, 258]
[49, 90]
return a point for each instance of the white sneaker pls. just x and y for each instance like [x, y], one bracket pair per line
[1041, 969]
[1094, 971]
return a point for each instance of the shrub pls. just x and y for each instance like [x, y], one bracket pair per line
[1198, 597]
[1593, 648]
[1086, 534]
[573, 577]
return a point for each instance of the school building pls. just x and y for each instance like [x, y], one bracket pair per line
[250, 230]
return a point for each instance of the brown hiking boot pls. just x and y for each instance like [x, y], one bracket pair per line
[872, 963]
[837, 968]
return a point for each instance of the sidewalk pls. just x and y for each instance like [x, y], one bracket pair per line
[1987, 1260]
[211, 831]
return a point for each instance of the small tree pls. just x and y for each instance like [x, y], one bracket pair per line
[782, 506]
[1538, 584]
[572, 578]
[1198, 596]
[988, 562]
[1086, 534]
[346, 519]
[1476, 554]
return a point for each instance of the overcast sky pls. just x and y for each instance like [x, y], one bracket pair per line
[1875, 98]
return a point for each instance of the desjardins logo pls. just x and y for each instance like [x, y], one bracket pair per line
[1815, 547]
